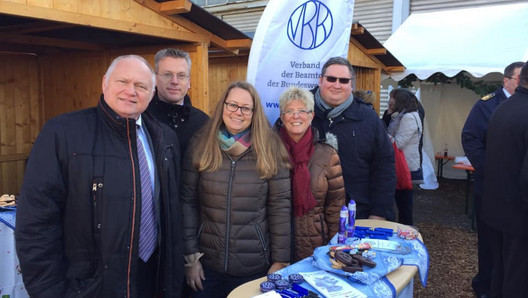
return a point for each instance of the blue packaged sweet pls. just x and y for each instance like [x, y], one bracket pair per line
[267, 286]
[295, 278]
[273, 277]
[282, 284]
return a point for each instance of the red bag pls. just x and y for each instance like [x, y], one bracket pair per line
[403, 175]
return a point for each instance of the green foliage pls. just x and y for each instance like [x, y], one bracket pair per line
[462, 79]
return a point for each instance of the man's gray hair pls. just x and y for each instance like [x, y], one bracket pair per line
[173, 53]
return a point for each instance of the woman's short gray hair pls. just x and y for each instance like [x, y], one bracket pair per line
[296, 93]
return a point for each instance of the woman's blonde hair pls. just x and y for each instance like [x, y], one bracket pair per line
[270, 152]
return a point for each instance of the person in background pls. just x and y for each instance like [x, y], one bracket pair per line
[505, 197]
[405, 129]
[236, 197]
[318, 190]
[171, 104]
[365, 152]
[421, 111]
[369, 97]
[98, 214]
[474, 144]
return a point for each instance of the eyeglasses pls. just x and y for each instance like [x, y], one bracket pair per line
[332, 79]
[234, 107]
[300, 113]
[168, 76]
[511, 78]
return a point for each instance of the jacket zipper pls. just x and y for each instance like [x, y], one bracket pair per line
[321, 218]
[228, 208]
[134, 199]
[228, 211]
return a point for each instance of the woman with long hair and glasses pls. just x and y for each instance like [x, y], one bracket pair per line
[236, 197]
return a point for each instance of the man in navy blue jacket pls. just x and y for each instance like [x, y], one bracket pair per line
[80, 227]
[474, 144]
[367, 156]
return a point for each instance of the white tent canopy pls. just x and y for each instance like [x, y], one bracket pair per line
[478, 40]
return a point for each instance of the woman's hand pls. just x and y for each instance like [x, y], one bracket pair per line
[194, 276]
[277, 266]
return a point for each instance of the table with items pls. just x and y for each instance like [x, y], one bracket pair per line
[11, 284]
[381, 260]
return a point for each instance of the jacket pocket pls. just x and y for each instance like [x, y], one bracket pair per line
[82, 280]
[265, 248]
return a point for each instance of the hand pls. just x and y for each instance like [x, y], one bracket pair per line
[376, 217]
[194, 276]
[277, 266]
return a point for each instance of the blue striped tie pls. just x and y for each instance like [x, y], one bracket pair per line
[147, 230]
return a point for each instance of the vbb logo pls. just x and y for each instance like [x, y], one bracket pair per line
[310, 25]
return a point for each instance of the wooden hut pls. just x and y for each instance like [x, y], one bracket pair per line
[54, 53]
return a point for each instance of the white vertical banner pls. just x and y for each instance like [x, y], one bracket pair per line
[292, 41]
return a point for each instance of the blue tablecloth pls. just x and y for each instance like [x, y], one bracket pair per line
[372, 281]
[8, 216]
[10, 275]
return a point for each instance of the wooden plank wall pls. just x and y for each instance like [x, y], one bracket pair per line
[369, 79]
[20, 116]
[222, 72]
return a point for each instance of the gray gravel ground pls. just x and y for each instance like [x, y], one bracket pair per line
[452, 244]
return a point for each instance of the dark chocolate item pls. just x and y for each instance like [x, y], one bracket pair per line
[352, 269]
[343, 257]
[364, 261]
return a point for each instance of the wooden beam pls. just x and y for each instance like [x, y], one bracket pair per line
[37, 26]
[239, 43]
[379, 51]
[51, 14]
[13, 157]
[175, 7]
[392, 69]
[357, 30]
[50, 42]
[187, 24]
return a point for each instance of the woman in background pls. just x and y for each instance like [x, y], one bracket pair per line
[236, 197]
[318, 190]
[405, 129]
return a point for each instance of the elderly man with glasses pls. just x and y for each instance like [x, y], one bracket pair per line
[366, 154]
[171, 104]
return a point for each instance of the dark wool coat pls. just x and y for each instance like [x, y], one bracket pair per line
[78, 214]
[505, 197]
[184, 119]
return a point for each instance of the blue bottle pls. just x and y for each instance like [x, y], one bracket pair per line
[341, 233]
[351, 218]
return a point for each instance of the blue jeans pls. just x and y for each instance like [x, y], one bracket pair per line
[221, 284]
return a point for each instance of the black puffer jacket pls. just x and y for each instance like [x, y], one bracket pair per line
[240, 222]
[78, 216]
